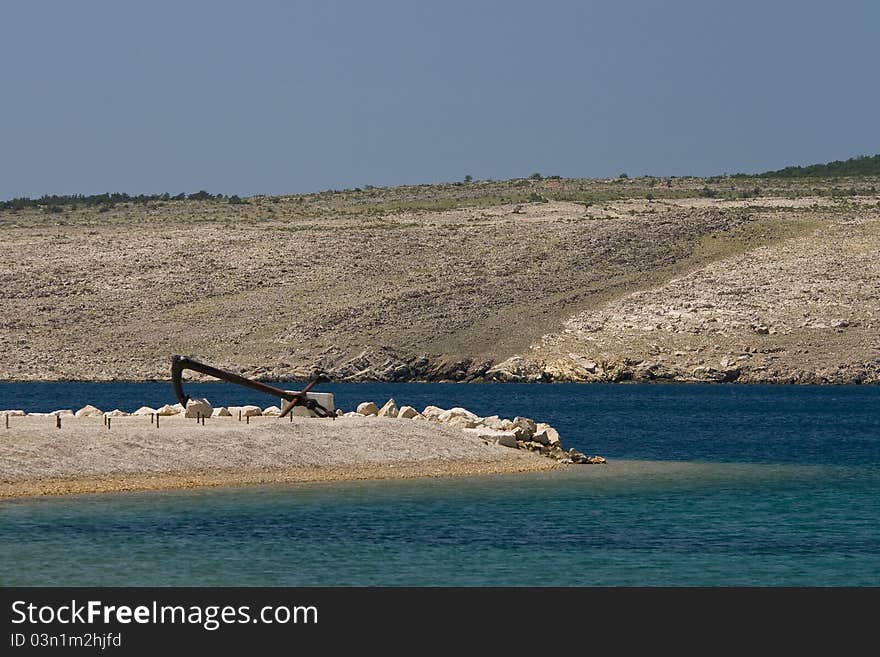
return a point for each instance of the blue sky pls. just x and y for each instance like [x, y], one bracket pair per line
[265, 97]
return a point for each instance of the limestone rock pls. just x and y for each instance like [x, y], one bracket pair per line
[460, 422]
[250, 410]
[116, 413]
[527, 424]
[446, 416]
[407, 412]
[516, 369]
[14, 413]
[198, 407]
[221, 412]
[367, 408]
[432, 412]
[170, 409]
[573, 368]
[389, 409]
[493, 422]
[505, 438]
[272, 411]
[145, 410]
[546, 435]
[89, 411]
[63, 413]
[580, 457]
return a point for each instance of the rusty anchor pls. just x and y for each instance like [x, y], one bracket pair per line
[292, 398]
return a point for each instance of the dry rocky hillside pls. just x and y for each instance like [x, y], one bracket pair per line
[536, 279]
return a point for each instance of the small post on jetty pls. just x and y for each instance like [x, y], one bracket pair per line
[7, 420]
[239, 415]
[157, 420]
[152, 418]
[108, 421]
[247, 419]
[57, 421]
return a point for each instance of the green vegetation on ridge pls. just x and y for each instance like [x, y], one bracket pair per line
[863, 165]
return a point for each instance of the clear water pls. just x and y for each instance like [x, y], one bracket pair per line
[705, 485]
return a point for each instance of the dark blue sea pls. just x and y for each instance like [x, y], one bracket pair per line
[705, 485]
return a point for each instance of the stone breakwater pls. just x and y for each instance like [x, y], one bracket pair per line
[517, 433]
[520, 433]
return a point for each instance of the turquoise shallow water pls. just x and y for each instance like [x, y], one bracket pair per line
[705, 486]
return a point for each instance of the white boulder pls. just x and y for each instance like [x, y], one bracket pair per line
[89, 411]
[546, 435]
[505, 438]
[221, 412]
[446, 416]
[367, 408]
[432, 412]
[144, 410]
[389, 409]
[407, 412]
[272, 411]
[170, 409]
[198, 407]
[249, 410]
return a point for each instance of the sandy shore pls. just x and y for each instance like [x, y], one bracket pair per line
[83, 456]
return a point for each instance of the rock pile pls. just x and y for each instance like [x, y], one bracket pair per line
[518, 433]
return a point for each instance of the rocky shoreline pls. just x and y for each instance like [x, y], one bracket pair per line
[743, 366]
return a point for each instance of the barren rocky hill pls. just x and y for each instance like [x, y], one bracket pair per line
[723, 279]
